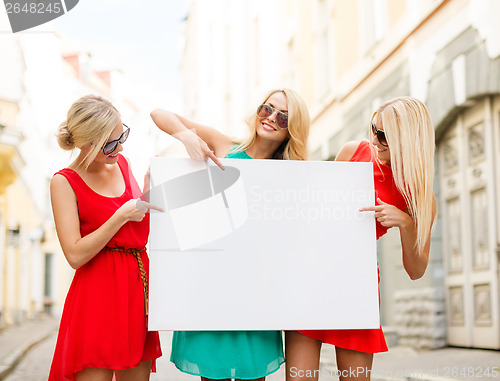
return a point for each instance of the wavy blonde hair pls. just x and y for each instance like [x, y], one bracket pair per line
[410, 135]
[295, 146]
[90, 120]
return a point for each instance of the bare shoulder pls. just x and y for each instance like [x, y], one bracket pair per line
[58, 181]
[347, 151]
[224, 147]
[60, 186]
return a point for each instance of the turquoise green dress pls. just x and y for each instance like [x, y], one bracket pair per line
[228, 354]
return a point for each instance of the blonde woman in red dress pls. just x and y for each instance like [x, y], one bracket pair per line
[402, 152]
[102, 231]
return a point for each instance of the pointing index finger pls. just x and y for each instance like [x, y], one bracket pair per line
[370, 208]
[212, 156]
[154, 207]
[144, 206]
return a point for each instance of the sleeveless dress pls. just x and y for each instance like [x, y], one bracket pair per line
[228, 354]
[366, 340]
[103, 323]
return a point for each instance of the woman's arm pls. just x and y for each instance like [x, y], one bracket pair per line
[200, 141]
[415, 263]
[388, 215]
[76, 249]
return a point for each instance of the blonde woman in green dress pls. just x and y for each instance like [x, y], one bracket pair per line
[278, 130]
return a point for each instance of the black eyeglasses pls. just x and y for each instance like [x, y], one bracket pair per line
[265, 111]
[380, 135]
[110, 147]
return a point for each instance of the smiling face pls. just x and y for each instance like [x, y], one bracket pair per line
[383, 152]
[267, 128]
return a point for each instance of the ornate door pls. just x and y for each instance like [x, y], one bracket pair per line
[469, 157]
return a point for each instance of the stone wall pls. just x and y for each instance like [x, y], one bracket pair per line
[420, 318]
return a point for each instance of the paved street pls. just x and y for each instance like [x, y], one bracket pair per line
[35, 365]
[399, 364]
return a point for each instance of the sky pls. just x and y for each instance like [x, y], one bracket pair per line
[140, 37]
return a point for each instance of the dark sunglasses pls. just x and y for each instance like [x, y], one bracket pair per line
[265, 111]
[110, 147]
[380, 135]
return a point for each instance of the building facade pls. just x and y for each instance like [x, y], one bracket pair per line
[42, 74]
[21, 235]
[237, 51]
[346, 57]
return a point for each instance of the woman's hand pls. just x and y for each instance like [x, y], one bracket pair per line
[201, 142]
[196, 147]
[389, 215]
[135, 210]
[79, 250]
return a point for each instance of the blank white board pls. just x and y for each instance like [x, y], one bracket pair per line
[263, 245]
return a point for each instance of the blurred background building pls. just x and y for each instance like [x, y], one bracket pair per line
[345, 57]
[41, 75]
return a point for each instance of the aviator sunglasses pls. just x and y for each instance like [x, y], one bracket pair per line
[380, 135]
[265, 111]
[110, 147]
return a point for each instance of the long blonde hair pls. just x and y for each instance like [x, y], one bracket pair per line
[90, 120]
[410, 135]
[294, 147]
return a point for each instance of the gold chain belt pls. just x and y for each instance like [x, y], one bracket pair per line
[144, 278]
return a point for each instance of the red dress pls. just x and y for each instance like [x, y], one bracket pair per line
[103, 324]
[366, 340]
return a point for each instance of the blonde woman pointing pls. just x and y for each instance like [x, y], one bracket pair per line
[402, 152]
[277, 130]
[103, 234]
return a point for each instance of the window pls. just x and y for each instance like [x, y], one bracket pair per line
[47, 283]
[373, 22]
[324, 50]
